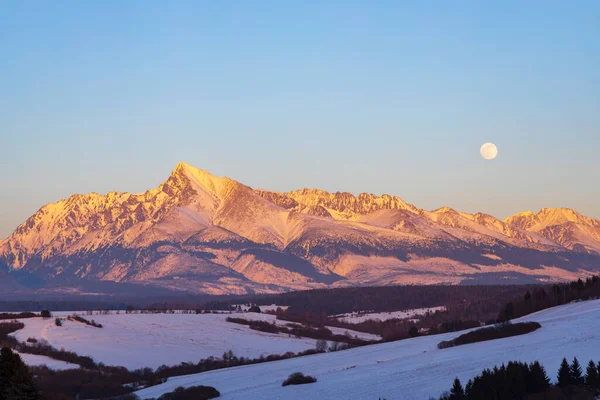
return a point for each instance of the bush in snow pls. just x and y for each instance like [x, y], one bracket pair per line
[192, 393]
[321, 345]
[254, 309]
[57, 322]
[298, 378]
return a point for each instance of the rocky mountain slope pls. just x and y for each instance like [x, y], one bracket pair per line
[202, 233]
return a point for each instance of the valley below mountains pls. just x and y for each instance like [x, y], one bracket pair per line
[200, 233]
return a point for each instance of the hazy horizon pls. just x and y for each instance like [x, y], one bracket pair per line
[395, 99]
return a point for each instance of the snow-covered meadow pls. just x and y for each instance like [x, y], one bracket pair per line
[152, 340]
[408, 369]
[35, 361]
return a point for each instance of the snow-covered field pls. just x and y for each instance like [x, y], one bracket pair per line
[408, 369]
[412, 314]
[335, 330]
[152, 340]
[36, 361]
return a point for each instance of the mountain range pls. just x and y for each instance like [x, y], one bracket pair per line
[201, 233]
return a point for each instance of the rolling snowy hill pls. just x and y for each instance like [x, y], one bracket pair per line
[151, 340]
[407, 369]
[202, 233]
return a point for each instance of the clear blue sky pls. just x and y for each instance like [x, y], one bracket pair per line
[382, 97]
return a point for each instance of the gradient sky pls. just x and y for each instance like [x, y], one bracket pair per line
[382, 97]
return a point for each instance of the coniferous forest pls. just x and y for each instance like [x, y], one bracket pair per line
[517, 380]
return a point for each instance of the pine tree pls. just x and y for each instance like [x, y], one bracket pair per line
[469, 388]
[457, 392]
[16, 382]
[591, 376]
[564, 374]
[576, 373]
[538, 378]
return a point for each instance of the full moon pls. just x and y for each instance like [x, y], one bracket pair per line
[489, 151]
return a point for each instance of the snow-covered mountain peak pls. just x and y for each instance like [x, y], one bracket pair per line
[443, 210]
[201, 180]
[550, 217]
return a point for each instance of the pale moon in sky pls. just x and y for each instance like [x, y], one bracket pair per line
[489, 151]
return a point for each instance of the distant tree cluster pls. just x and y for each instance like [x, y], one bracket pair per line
[23, 315]
[497, 331]
[469, 307]
[192, 393]
[79, 318]
[519, 380]
[297, 330]
[254, 309]
[550, 296]
[464, 302]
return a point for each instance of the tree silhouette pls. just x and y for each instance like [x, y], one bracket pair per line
[576, 373]
[457, 392]
[564, 374]
[591, 376]
[538, 379]
[15, 380]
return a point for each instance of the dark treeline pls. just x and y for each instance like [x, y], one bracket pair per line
[387, 298]
[466, 307]
[76, 304]
[79, 318]
[391, 329]
[497, 331]
[518, 380]
[319, 333]
[12, 316]
[540, 298]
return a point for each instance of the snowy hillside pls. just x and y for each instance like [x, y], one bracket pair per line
[408, 369]
[199, 232]
[151, 340]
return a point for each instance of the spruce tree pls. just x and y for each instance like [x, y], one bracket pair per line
[538, 378]
[457, 392]
[591, 374]
[16, 382]
[468, 388]
[576, 373]
[564, 374]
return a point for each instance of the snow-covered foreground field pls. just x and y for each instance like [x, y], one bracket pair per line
[151, 340]
[408, 369]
